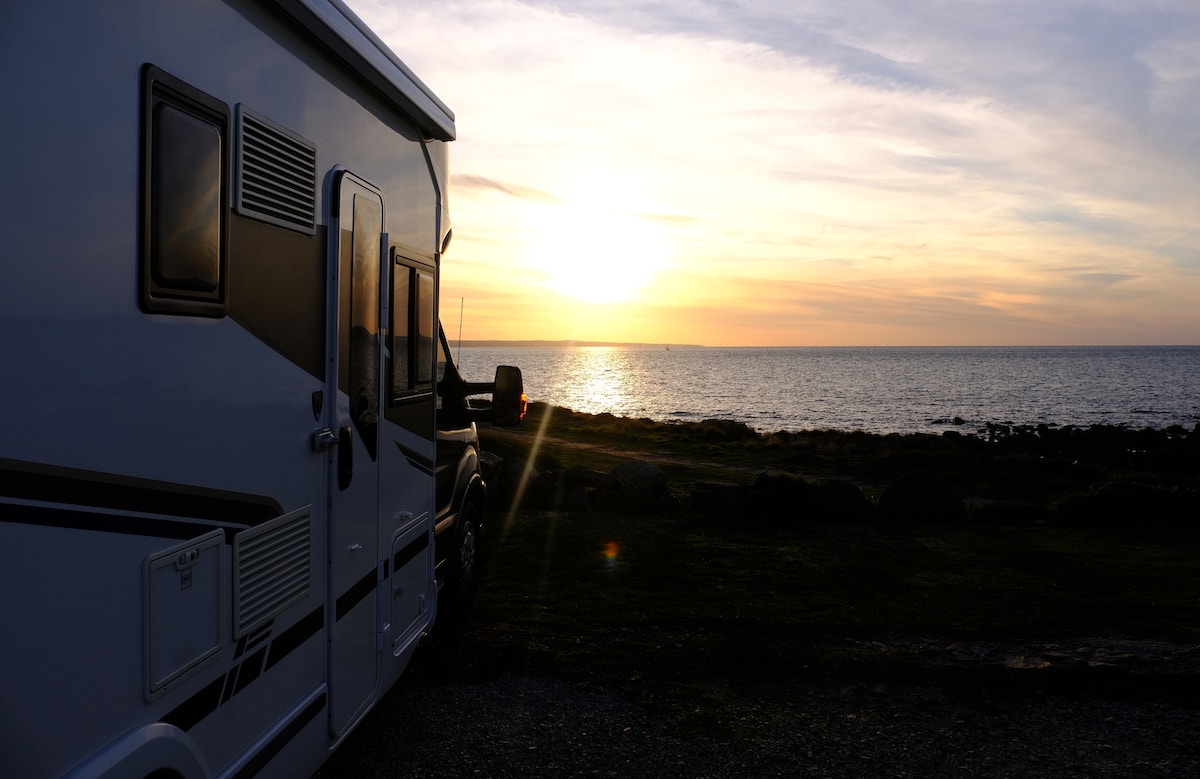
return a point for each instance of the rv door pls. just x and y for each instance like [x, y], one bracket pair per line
[354, 418]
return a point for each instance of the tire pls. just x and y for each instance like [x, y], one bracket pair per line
[462, 580]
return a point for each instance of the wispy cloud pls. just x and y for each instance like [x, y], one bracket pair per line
[469, 181]
[889, 155]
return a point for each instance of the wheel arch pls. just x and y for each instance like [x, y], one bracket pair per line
[156, 750]
[469, 484]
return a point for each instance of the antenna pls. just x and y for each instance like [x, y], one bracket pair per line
[461, 303]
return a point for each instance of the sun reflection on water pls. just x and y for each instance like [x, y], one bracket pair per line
[600, 380]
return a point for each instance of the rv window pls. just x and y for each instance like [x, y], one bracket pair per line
[184, 192]
[185, 201]
[426, 332]
[367, 224]
[400, 310]
[413, 330]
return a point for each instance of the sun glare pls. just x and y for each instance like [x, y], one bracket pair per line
[591, 250]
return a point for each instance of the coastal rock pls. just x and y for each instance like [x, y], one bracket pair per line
[781, 497]
[576, 498]
[584, 489]
[569, 489]
[1114, 504]
[546, 492]
[922, 496]
[515, 477]
[592, 480]
[719, 498]
[812, 502]
[785, 499]
[642, 485]
[843, 502]
[1007, 512]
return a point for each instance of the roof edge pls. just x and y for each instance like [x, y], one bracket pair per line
[349, 37]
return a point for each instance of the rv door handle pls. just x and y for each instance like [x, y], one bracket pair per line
[323, 440]
[345, 445]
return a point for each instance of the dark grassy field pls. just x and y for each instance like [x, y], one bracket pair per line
[1060, 637]
[1074, 589]
[693, 616]
[1101, 473]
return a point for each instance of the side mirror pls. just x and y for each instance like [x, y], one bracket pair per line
[508, 399]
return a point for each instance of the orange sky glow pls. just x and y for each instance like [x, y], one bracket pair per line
[824, 173]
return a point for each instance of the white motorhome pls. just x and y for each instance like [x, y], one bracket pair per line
[218, 322]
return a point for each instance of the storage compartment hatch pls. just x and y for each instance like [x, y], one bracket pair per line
[183, 593]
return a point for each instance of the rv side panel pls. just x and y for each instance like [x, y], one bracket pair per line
[169, 316]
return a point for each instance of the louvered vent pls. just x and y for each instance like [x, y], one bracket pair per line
[276, 174]
[272, 566]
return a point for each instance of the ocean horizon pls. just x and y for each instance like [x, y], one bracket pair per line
[535, 343]
[877, 389]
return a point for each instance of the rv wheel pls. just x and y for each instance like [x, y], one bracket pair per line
[463, 578]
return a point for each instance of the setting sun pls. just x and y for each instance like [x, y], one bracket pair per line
[793, 175]
[590, 249]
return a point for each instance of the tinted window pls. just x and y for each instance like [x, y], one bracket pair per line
[185, 206]
[364, 316]
[426, 332]
[185, 186]
[413, 329]
[401, 313]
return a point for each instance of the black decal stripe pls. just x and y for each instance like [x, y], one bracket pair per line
[251, 640]
[250, 669]
[361, 589]
[55, 484]
[409, 553]
[416, 459]
[219, 691]
[291, 639]
[281, 740]
[230, 681]
[188, 714]
[102, 522]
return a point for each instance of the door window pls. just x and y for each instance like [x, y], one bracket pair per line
[361, 239]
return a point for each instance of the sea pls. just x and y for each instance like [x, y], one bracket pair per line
[873, 389]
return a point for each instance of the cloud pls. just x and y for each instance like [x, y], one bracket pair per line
[891, 155]
[469, 181]
[1103, 279]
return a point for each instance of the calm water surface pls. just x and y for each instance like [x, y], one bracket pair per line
[879, 390]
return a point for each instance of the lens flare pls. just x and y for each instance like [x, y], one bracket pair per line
[611, 550]
[523, 482]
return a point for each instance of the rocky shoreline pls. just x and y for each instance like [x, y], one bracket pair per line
[1097, 475]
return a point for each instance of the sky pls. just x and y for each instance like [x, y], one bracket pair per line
[826, 172]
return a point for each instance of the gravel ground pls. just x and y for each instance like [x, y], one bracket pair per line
[514, 726]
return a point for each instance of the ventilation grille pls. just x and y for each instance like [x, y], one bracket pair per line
[272, 566]
[276, 174]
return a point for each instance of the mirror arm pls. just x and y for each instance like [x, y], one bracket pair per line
[470, 388]
[478, 414]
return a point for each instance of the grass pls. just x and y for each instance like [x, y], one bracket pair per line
[703, 619]
[1050, 467]
[694, 619]
[1065, 646]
